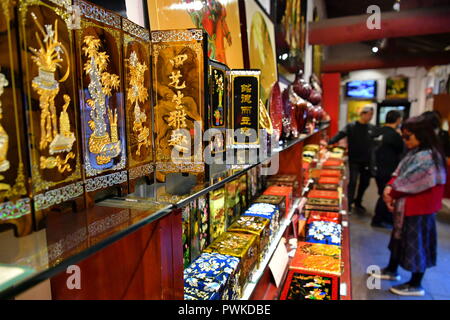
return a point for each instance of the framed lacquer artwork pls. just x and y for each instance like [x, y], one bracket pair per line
[137, 82]
[15, 205]
[49, 81]
[258, 43]
[99, 51]
[179, 67]
[220, 19]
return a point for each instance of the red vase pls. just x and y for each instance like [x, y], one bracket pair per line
[276, 111]
[301, 87]
[315, 98]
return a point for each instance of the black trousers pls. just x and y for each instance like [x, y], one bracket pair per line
[382, 213]
[358, 171]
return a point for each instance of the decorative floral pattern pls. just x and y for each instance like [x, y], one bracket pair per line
[210, 277]
[306, 287]
[324, 232]
[265, 210]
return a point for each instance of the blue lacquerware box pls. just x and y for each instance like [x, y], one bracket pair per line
[265, 210]
[324, 232]
[212, 276]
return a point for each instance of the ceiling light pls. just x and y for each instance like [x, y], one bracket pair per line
[374, 49]
[397, 5]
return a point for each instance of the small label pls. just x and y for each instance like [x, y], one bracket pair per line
[345, 224]
[343, 289]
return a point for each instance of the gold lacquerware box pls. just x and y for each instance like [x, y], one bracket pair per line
[257, 226]
[241, 245]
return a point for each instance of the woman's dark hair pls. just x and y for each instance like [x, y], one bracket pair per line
[423, 129]
[433, 117]
[392, 116]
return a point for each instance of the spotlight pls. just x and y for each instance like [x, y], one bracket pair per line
[374, 49]
[396, 6]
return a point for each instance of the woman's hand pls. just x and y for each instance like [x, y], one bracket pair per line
[388, 199]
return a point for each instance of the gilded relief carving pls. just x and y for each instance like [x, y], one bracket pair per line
[48, 59]
[4, 138]
[218, 112]
[104, 141]
[138, 94]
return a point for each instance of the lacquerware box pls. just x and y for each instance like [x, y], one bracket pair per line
[314, 273]
[241, 245]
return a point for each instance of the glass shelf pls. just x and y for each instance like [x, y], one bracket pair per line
[70, 237]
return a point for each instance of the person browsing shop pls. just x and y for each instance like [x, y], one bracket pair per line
[359, 136]
[388, 155]
[414, 195]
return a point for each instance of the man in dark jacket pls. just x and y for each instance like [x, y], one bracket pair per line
[435, 119]
[387, 154]
[360, 141]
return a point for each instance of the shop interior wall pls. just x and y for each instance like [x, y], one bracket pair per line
[417, 85]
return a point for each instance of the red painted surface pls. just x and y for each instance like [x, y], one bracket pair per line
[146, 264]
[331, 85]
[346, 64]
[393, 24]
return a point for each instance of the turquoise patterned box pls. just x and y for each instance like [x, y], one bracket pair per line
[212, 276]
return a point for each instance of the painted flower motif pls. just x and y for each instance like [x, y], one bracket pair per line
[193, 282]
[212, 287]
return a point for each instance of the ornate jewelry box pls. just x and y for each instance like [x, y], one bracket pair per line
[50, 89]
[257, 226]
[324, 232]
[15, 205]
[281, 191]
[284, 180]
[137, 84]
[217, 213]
[315, 260]
[278, 201]
[99, 49]
[179, 88]
[328, 183]
[212, 276]
[267, 211]
[323, 216]
[240, 245]
[308, 287]
[323, 197]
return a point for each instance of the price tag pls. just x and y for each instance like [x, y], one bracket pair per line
[343, 289]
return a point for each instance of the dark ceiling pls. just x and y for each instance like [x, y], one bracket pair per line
[415, 46]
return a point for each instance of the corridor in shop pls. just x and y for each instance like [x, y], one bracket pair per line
[369, 247]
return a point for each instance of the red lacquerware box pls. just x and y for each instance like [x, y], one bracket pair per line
[281, 191]
[330, 173]
[324, 216]
[329, 180]
[321, 264]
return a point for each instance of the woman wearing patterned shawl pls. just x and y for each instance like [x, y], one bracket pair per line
[414, 195]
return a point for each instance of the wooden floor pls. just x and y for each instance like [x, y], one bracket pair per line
[369, 247]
